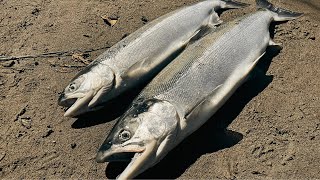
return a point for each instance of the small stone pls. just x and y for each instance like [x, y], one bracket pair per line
[35, 11]
[20, 134]
[8, 64]
[36, 63]
[22, 111]
[289, 158]
[2, 155]
[48, 133]
[26, 122]
[144, 19]
[124, 36]
[110, 20]
[256, 172]
[73, 145]
[312, 37]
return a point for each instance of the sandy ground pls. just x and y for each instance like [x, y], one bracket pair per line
[270, 128]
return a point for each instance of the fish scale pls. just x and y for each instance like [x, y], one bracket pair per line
[183, 82]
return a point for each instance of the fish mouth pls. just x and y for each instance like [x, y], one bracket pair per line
[79, 105]
[139, 159]
[82, 102]
[66, 102]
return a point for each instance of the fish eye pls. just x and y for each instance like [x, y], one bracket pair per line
[124, 135]
[72, 87]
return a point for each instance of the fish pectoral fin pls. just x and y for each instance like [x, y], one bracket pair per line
[206, 106]
[136, 70]
[158, 61]
[201, 33]
[214, 20]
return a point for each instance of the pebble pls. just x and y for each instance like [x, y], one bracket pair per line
[73, 145]
[144, 19]
[312, 37]
[48, 133]
[8, 64]
[2, 155]
[26, 122]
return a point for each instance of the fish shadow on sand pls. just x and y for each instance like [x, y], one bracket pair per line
[213, 136]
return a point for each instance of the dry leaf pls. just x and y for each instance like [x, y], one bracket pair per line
[110, 20]
[81, 57]
[78, 56]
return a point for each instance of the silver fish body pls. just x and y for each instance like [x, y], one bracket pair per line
[139, 56]
[185, 94]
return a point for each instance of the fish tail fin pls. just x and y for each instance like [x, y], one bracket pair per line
[280, 14]
[231, 4]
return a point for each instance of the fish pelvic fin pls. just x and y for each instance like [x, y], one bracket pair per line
[231, 4]
[280, 14]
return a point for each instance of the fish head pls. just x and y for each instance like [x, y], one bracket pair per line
[146, 131]
[86, 89]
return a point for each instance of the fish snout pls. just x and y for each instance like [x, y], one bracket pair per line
[101, 156]
[64, 101]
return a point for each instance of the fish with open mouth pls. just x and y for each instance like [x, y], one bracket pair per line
[187, 92]
[140, 56]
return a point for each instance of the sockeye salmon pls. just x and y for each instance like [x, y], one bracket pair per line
[185, 94]
[140, 56]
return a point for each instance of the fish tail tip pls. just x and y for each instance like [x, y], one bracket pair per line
[281, 14]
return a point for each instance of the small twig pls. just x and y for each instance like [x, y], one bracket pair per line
[2, 155]
[68, 66]
[62, 71]
[49, 54]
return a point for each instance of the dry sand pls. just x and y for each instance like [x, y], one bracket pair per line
[270, 128]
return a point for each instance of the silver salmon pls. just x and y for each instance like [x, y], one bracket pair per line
[140, 56]
[185, 94]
